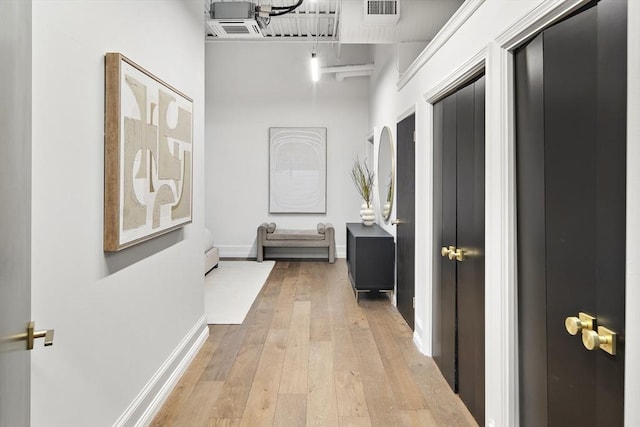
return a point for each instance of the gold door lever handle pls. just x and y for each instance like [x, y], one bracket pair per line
[604, 339]
[584, 322]
[396, 221]
[31, 335]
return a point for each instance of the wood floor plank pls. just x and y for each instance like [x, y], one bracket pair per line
[296, 362]
[355, 312]
[291, 410]
[355, 422]
[383, 410]
[233, 399]
[284, 306]
[199, 404]
[322, 410]
[445, 406]
[406, 392]
[261, 403]
[418, 418]
[350, 394]
[349, 389]
[320, 327]
[217, 422]
[223, 359]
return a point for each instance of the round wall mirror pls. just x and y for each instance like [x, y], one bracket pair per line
[386, 172]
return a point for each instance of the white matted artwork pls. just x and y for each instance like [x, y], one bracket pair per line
[297, 170]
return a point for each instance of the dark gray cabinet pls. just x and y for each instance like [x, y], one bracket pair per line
[370, 258]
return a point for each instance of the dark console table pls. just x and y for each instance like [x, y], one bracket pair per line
[370, 258]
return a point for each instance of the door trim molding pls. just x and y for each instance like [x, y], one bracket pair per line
[632, 340]
[539, 18]
[409, 111]
[474, 66]
[466, 10]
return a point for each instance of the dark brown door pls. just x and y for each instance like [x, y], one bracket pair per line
[405, 235]
[570, 144]
[459, 298]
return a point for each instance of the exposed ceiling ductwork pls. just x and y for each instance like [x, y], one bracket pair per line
[341, 21]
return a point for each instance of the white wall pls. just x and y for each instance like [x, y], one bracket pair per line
[118, 318]
[476, 37]
[253, 86]
[383, 109]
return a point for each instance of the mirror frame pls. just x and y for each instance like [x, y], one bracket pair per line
[386, 206]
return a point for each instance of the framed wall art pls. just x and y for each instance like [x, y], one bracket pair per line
[297, 170]
[148, 155]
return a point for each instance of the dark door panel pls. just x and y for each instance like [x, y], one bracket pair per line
[445, 307]
[459, 296]
[532, 295]
[405, 235]
[570, 120]
[466, 286]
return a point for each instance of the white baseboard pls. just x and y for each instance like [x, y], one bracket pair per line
[228, 251]
[149, 401]
[417, 340]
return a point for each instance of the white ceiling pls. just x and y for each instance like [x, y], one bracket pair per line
[343, 21]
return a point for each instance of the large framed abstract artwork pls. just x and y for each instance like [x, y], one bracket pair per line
[148, 155]
[297, 170]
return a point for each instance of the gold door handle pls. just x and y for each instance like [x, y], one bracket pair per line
[458, 255]
[582, 323]
[31, 335]
[447, 251]
[604, 339]
[396, 221]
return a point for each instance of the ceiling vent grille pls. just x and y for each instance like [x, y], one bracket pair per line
[247, 28]
[381, 12]
[380, 7]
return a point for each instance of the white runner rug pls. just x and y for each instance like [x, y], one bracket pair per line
[230, 289]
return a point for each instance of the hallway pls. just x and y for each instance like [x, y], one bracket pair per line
[308, 355]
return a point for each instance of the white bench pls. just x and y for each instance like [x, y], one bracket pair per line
[322, 237]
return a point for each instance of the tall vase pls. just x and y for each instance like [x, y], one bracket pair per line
[367, 214]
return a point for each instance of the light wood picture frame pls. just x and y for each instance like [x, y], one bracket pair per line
[148, 156]
[298, 170]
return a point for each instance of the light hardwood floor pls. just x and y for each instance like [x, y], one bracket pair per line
[308, 355]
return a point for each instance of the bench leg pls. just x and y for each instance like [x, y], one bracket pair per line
[260, 256]
[332, 254]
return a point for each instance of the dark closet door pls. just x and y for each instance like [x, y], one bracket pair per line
[570, 121]
[444, 293]
[470, 240]
[459, 297]
[405, 235]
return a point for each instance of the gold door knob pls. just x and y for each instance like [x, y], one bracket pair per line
[604, 339]
[447, 251]
[458, 255]
[583, 322]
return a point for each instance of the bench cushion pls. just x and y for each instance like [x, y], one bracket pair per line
[295, 235]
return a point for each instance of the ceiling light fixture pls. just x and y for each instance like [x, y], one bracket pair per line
[315, 68]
